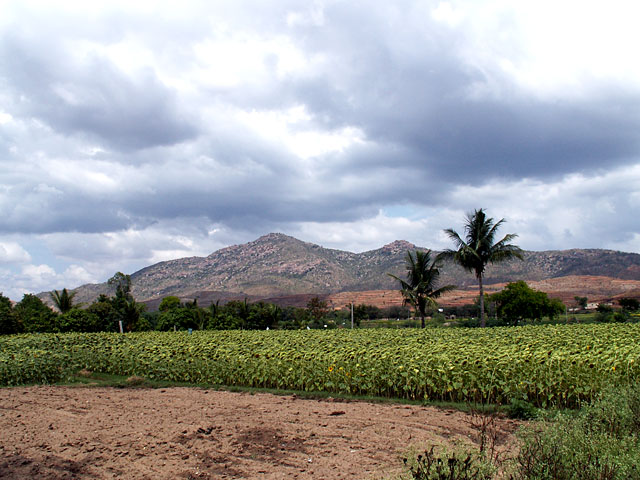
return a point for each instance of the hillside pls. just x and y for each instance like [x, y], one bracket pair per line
[278, 265]
[595, 288]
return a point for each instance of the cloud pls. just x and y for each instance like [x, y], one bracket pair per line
[576, 211]
[33, 278]
[130, 131]
[12, 252]
[88, 95]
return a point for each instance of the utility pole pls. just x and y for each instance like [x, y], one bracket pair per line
[351, 314]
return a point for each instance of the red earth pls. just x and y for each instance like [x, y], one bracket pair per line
[51, 432]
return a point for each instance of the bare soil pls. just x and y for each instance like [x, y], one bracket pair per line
[97, 433]
[595, 288]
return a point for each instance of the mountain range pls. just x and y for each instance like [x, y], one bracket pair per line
[277, 265]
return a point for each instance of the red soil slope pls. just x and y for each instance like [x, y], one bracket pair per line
[596, 289]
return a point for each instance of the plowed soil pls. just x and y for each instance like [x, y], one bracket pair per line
[98, 433]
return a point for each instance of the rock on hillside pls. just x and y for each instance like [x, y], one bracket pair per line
[277, 265]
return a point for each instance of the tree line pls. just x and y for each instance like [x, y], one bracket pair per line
[106, 313]
[31, 314]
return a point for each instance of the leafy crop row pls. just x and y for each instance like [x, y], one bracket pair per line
[545, 365]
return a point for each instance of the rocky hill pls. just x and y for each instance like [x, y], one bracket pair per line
[278, 265]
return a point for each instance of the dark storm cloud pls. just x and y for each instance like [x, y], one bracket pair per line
[135, 132]
[43, 210]
[478, 141]
[90, 97]
[419, 96]
[430, 119]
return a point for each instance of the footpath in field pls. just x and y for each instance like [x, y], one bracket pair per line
[99, 433]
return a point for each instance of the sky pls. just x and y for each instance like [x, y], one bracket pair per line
[137, 132]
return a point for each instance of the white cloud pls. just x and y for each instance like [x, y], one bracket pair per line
[294, 128]
[552, 49]
[576, 211]
[363, 235]
[12, 252]
[34, 278]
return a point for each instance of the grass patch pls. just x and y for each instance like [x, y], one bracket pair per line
[86, 378]
[599, 442]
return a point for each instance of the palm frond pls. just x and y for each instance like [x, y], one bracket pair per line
[419, 289]
[447, 288]
[480, 247]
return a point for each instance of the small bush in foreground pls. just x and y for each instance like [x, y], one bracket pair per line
[466, 466]
[599, 442]
[522, 410]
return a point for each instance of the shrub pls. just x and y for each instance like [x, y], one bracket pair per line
[76, 320]
[445, 466]
[522, 410]
[600, 442]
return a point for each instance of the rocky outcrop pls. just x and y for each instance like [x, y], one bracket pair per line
[278, 265]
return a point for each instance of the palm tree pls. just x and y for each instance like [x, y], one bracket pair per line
[63, 300]
[478, 248]
[419, 290]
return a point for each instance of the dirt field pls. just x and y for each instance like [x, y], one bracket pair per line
[98, 433]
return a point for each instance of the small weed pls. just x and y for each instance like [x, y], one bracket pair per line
[430, 466]
[484, 422]
[135, 380]
[522, 410]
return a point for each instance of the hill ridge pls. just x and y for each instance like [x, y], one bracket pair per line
[277, 264]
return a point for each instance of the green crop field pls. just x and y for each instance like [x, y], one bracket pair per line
[545, 365]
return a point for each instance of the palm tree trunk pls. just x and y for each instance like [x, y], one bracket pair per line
[483, 323]
[423, 324]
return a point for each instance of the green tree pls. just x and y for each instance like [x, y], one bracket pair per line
[130, 312]
[169, 303]
[366, 312]
[107, 315]
[222, 320]
[419, 290]
[292, 318]
[181, 318]
[238, 310]
[581, 302]
[317, 309]
[63, 300]
[200, 314]
[629, 304]
[122, 284]
[33, 315]
[479, 248]
[604, 308]
[517, 302]
[263, 315]
[126, 309]
[397, 311]
[8, 320]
